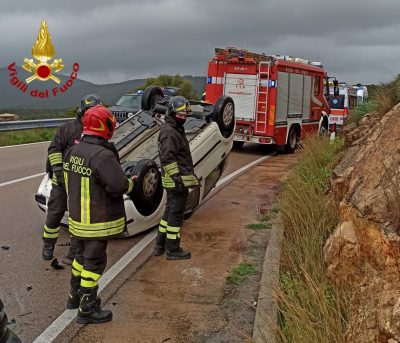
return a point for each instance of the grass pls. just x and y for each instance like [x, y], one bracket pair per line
[383, 98]
[311, 308]
[240, 273]
[26, 136]
[258, 226]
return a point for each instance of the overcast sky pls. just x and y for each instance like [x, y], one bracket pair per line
[118, 40]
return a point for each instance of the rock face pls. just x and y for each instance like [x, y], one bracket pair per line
[363, 254]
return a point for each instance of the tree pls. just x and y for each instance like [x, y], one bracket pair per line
[186, 88]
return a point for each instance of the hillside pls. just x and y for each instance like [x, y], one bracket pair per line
[13, 98]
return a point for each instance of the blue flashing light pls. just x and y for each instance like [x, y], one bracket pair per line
[209, 79]
[139, 92]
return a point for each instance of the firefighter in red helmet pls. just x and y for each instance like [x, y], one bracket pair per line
[66, 136]
[95, 185]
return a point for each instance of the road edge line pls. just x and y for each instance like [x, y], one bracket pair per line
[24, 144]
[58, 326]
[21, 179]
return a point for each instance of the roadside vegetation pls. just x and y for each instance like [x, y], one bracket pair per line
[30, 114]
[311, 308]
[186, 88]
[26, 136]
[382, 98]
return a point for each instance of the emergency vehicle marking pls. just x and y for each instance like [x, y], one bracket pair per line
[75, 164]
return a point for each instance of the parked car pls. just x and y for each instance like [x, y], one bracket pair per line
[129, 104]
[126, 106]
[209, 129]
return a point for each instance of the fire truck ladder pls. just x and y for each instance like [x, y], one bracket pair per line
[262, 97]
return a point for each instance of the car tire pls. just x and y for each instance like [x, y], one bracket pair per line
[238, 144]
[147, 191]
[224, 115]
[152, 95]
[292, 141]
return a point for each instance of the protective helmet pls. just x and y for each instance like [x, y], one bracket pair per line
[99, 121]
[87, 102]
[178, 104]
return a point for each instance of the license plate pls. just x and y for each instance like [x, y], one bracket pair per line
[339, 120]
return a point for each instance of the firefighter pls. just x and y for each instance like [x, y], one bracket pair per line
[66, 136]
[95, 184]
[177, 177]
[6, 335]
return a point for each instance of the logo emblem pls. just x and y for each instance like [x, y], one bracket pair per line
[43, 51]
[101, 128]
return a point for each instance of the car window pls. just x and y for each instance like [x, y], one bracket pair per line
[129, 101]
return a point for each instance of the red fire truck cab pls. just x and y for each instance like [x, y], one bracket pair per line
[278, 99]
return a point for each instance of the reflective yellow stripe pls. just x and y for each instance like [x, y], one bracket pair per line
[85, 200]
[50, 230]
[96, 226]
[163, 226]
[167, 182]
[189, 180]
[50, 233]
[174, 229]
[54, 180]
[171, 169]
[130, 186]
[66, 182]
[89, 279]
[172, 236]
[96, 229]
[55, 158]
[76, 268]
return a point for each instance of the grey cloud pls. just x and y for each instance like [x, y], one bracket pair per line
[120, 39]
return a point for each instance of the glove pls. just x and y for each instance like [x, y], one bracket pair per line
[58, 172]
[179, 186]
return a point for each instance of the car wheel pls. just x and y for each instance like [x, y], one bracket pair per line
[152, 95]
[224, 115]
[147, 191]
[237, 144]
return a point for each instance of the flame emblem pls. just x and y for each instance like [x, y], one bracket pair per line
[43, 51]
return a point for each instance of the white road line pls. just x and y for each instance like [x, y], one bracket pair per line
[68, 316]
[25, 144]
[241, 170]
[21, 179]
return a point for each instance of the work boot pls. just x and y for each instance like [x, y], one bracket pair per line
[73, 297]
[48, 248]
[175, 252]
[89, 312]
[159, 248]
[69, 258]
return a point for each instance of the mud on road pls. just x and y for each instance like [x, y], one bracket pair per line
[190, 301]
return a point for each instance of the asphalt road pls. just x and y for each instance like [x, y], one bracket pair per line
[33, 292]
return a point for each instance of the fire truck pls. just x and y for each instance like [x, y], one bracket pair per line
[278, 99]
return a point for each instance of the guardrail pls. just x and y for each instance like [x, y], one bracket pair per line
[32, 124]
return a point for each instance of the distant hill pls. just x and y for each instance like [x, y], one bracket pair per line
[11, 97]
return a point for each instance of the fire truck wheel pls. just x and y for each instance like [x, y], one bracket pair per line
[147, 191]
[293, 140]
[224, 115]
[238, 144]
[152, 95]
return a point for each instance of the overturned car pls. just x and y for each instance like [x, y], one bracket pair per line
[209, 129]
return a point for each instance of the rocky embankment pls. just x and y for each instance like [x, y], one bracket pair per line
[363, 254]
